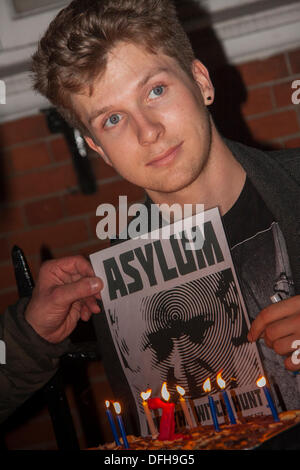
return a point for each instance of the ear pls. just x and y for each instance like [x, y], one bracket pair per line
[97, 148]
[202, 78]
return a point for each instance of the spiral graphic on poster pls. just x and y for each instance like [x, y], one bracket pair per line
[197, 329]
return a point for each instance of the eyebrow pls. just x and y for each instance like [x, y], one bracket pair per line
[140, 84]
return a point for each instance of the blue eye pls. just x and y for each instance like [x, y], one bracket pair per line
[113, 120]
[157, 91]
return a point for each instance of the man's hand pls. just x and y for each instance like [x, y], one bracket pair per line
[66, 290]
[279, 326]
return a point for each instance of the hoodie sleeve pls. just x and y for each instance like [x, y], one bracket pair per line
[27, 361]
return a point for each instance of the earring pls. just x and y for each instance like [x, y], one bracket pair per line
[209, 98]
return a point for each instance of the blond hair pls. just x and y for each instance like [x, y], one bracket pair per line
[75, 47]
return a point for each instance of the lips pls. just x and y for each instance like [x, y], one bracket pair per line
[165, 157]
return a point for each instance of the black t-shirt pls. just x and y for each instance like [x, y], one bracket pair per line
[248, 216]
[260, 257]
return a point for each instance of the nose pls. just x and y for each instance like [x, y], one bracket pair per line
[149, 128]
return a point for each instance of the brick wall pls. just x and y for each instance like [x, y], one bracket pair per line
[41, 205]
[269, 112]
[41, 202]
[44, 212]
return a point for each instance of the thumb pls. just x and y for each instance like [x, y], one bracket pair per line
[85, 287]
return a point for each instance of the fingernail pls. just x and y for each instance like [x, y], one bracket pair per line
[95, 285]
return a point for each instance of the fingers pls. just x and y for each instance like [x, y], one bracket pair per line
[284, 346]
[64, 270]
[66, 291]
[85, 313]
[271, 314]
[75, 265]
[89, 306]
[290, 347]
[281, 328]
[73, 316]
[92, 305]
[66, 294]
[292, 362]
[279, 325]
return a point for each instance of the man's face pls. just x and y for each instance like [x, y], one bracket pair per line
[148, 119]
[183, 335]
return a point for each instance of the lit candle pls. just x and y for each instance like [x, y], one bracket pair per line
[167, 421]
[207, 389]
[117, 408]
[222, 385]
[112, 424]
[262, 383]
[184, 407]
[145, 396]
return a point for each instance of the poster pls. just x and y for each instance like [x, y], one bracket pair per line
[176, 312]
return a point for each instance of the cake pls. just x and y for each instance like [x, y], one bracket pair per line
[248, 434]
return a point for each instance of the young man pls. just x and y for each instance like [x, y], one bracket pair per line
[124, 73]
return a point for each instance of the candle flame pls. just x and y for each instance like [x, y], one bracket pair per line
[117, 407]
[180, 390]
[164, 392]
[107, 404]
[206, 385]
[220, 381]
[146, 395]
[261, 382]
